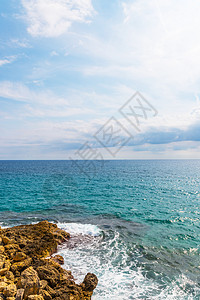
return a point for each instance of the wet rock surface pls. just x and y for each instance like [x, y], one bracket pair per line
[25, 271]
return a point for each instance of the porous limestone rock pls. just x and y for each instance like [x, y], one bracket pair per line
[10, 290]
[19, 256]
[27, 274]
[30, 282]
[35, 297]
[59, 259]
[20, 294]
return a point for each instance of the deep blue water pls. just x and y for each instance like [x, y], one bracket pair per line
[138, 221]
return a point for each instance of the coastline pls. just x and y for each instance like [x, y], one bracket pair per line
[28, 270]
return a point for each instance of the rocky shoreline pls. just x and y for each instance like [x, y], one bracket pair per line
[27, 272]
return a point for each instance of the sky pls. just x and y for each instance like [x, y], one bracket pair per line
[70, 68]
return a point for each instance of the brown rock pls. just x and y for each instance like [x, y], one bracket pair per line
[20, 294]
[36, 240]
[6, 240]
[9, 275]
[2, 261]
[12, 247]
[7, 264]
[58, 259]
[2, 249]
[23, 252]
[43, 284]
[10, 290]
[35, 297]
[30, 282]
[50, 291]
[3, 279]
[68, 275]
[19, 256]
[21, 265]
[50, 274]
[90, 282]
[3, 271]
[3, 285]
[4, 265]
[2, 297]
[45, 295]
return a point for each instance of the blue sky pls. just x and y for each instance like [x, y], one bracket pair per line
[66, 67]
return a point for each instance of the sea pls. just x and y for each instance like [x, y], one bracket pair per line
[133, 223]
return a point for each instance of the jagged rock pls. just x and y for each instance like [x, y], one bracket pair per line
[30, 282]
[2, 249]
[45, 295]
[19, 256]
[90, 282]
[4, 265]
[39, 239]
[3, 271]
[50, 291]
[25, 271]
[2, 297]
[21, 265]
[68, 275]
[43, 284]
[20, 294]
[59, 259]
[9, 275]
[3, 279]
[36, 297]
[50, 274]
[12, 247]
[7, 264]
[6, 240]
[10, 290]
[3, 285]
[2, 261]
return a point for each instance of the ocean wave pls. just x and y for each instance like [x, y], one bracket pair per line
[3, 226]
[80, 229]
[120, 274]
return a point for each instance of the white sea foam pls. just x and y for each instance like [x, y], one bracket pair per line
[3, 226]
[119, 278]
[78, 228]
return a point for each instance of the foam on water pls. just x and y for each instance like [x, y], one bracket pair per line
[3, 226]
[77, 229]
[119, 277]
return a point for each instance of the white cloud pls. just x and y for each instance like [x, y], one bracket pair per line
[7, 60]
[20, 92]
[164, 37]
[44, 103]
[154, 45]
[52, 18]
[71, 132]
[23, 43]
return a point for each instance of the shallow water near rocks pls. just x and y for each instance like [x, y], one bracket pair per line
[135, 224]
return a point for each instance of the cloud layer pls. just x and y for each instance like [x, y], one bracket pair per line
[52, 18]
[66, 67]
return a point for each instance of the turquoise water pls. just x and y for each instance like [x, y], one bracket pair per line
[136, 224]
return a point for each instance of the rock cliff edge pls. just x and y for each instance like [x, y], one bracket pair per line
[26, 272]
